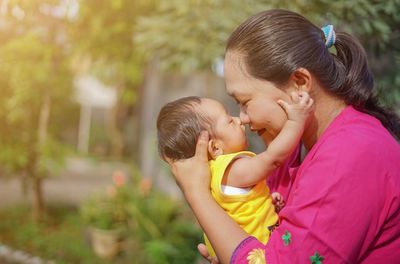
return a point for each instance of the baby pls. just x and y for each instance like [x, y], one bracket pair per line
[238, 177]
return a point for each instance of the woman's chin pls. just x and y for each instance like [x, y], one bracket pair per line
[261, 132]
[265, 136]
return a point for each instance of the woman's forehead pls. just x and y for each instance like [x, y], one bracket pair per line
[238, 81]
[233, 66]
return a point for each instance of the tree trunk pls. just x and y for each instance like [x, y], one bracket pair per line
[38, 201]
[116, 135]
[38, 208]
[84, 128]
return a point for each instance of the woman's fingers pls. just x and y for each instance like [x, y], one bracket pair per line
[201, 151]
[201, 147]
[197, 167]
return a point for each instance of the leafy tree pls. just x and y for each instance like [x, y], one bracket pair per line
[103, 36]
[33, 78]
[189, 35]
[377, 25]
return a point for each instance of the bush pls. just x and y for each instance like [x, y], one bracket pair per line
[157, 228]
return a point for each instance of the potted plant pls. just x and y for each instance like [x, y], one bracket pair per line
[107, 216]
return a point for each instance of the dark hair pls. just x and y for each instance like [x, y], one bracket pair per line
[275, 43]
[178, 128]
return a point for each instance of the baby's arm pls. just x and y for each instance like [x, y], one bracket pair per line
[262, 165]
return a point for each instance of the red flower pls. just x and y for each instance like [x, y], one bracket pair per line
[118, 178]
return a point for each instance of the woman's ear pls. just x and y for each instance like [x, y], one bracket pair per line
[302, 80]
[213, 149]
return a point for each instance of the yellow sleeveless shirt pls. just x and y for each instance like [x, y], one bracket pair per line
[253, 211]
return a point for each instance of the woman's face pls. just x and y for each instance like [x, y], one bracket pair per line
[257, 99]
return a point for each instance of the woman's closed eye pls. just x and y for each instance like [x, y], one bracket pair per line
[243, 106]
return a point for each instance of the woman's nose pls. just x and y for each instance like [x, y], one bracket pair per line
[244, 118]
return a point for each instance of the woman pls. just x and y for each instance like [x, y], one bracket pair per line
[343, 201]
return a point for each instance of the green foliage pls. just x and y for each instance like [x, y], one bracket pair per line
[160, 227]
[108, 211]
[176, 246]
[105, 36]
[167, 235]
[33, 72]
[376, 24]
[190, 35]
[58, 238]
[101, 212]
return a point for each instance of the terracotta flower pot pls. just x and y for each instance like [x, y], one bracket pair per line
[105, 243]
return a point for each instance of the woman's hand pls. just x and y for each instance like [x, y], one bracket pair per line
[193, 175]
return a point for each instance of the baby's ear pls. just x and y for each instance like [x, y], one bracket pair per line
[213, 149]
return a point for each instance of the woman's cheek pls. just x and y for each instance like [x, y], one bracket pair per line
[275, 123]
[280, 117]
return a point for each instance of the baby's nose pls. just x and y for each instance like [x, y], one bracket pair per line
[237, 120]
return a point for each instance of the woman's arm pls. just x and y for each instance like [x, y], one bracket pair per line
[193, 177]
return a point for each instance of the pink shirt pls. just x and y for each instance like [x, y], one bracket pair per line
[342, 203]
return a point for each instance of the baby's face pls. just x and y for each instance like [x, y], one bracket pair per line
[227, 130]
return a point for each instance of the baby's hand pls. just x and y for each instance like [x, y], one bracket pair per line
[277, 200]
[300, 108]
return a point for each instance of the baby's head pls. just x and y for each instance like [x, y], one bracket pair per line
[180, 122]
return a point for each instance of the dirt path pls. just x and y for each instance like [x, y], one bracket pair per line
[74, 183]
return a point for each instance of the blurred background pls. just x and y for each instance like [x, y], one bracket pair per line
[81, 84]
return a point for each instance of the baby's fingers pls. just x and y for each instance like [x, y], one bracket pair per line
[304, 97]
[284, 105]
[295, 97]
[310, 103]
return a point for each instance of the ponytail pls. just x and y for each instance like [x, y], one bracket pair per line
[358, 86]
[274, 43]
[387, 116]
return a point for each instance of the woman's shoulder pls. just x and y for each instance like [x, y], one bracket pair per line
[358, 132]
[357, 140]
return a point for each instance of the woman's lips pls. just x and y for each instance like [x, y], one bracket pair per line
[260, 132]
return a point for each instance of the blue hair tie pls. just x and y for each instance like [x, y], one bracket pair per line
[330, 36]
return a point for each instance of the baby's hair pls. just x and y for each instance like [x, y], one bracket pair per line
[178, 127]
